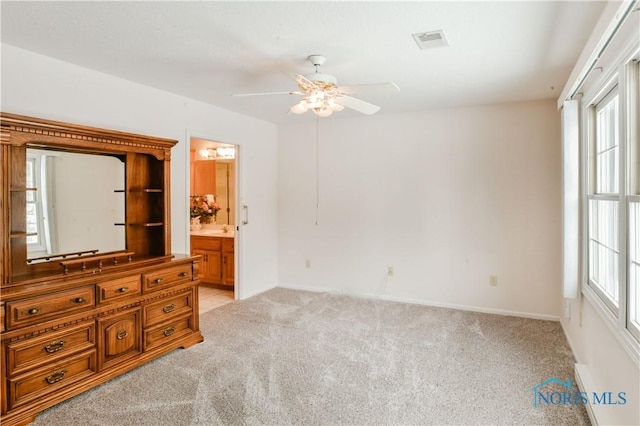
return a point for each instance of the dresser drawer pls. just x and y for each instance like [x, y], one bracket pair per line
[206, 243]
[33, 353]
[168, 308]
[112, 291]
[160, 334]
[26, 388]
[166, 277]
[37, 309]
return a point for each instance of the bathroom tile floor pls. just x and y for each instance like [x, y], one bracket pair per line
[210, 297]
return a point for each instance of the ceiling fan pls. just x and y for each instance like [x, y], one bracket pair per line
[322, 95]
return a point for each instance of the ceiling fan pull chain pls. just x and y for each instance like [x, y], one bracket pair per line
[317, 170]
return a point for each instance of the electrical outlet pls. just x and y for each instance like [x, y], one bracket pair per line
[493, 280]
[389, 271]
[307, 264]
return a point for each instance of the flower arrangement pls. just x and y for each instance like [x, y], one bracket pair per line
[204, 207]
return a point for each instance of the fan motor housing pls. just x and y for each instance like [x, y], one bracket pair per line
[318, 77]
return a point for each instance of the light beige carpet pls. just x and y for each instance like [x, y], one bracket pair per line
[294, 357]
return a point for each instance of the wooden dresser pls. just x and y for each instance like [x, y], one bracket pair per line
[71, 321]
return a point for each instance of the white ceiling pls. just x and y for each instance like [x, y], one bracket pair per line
[499, 51]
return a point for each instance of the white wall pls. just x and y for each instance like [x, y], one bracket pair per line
[611, 367]
[446, 197]
[39, 86]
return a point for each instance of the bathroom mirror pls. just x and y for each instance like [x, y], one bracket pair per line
[75, 202]
[214, 173]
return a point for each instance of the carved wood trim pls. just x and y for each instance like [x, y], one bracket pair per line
[18, 130]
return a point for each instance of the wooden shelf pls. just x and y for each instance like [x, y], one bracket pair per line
[147, 190]
[147, 224]
[23, 189]
[21, 234]
[63, 255]
[113, 257]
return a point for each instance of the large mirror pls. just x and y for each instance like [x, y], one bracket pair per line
[76, 202]
[213, 175]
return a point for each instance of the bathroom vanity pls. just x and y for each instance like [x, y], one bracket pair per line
[216, 248]
[71, 320]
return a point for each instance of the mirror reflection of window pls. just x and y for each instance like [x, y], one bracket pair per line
[37, 229]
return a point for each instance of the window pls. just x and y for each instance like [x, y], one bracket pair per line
[604, 242]
[36, 235]
[634, 264]
[613, 199]
[633, 199]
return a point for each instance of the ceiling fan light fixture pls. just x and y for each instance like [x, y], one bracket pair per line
[299, 108]
[334, 106]
[322, 112]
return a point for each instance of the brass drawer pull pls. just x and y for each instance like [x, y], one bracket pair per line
[121, 334]
[168, 308]
[56, 376]
[183, 274]
[54, 346]
[158, 280]
[78, 300]
[33, 311]
[169, 331]
[122, 289]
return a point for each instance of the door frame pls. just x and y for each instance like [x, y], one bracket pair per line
[208, 136]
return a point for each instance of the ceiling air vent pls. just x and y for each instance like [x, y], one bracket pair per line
[431, 39]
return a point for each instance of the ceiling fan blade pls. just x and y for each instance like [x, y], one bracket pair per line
[357, 104]
[238, 95]
[369, 88]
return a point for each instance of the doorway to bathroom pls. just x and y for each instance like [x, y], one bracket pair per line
[213, 212]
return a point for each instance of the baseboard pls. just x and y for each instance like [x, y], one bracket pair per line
[569, 341]
[473, 308]
[586, 385]
[247, 295]
[430, 303]
[305, 288]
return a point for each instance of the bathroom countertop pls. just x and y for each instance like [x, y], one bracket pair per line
[213, 233]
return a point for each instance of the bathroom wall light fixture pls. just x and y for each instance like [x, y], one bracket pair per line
[221, 153]
[226, 152]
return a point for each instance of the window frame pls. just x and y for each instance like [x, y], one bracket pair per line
[607, 91]
[623, 81]
[632, 130]
[40, 246]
